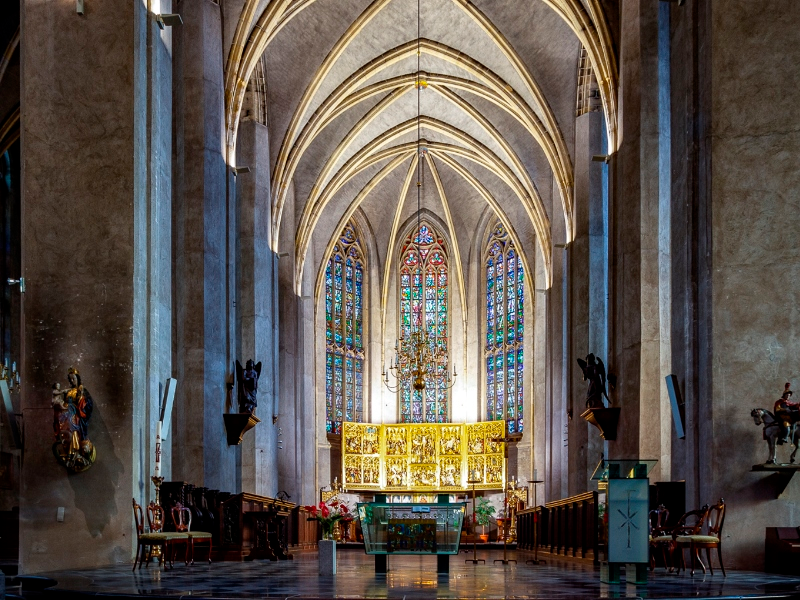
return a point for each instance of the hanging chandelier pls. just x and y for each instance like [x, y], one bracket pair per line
[417, 354]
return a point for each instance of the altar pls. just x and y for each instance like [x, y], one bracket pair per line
[423, 457]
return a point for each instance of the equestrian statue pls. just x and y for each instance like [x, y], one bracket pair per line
[780, 427]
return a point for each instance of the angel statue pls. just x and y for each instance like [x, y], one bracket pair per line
[247, 385]
[595, 372]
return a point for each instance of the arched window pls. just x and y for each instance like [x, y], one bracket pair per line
[344, 332]
[423, 299]
[505, 308]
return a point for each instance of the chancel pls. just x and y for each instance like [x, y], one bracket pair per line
[512, 278]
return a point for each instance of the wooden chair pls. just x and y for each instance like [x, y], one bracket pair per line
[657, 522]
[147, 540]
[713, 539]
[690, 523]
[182, 518]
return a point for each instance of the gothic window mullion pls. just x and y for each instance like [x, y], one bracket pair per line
[343, 334]
[504, 331]
[423, 306]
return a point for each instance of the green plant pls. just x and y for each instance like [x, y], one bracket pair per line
[483, 512]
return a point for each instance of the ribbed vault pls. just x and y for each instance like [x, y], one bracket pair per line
[497, 105]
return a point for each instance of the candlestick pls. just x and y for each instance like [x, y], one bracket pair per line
[158, 450]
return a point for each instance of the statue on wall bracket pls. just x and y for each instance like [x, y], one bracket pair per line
[596, 413]
[779, 427]
[237, 424]
[72, 410]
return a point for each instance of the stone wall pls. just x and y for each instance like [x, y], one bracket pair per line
[96, 247]
[754, 337]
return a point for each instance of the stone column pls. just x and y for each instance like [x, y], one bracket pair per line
[753, 342]
[557, 301]
[587, 294]
[303, 450]
[634, 295]
[96, 253]
[653, 440]
[289, 395]
[538, 410]
[255, 311]
[202, 305]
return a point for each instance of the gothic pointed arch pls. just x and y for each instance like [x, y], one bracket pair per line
[424, 305]
[504, 276]
[344, 330]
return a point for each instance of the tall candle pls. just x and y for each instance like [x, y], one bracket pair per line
[158, 449]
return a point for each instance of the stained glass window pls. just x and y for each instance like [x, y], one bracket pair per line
[344, 330]
[505, 304]
[423, 304]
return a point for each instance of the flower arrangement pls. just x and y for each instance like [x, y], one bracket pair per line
[328, 515]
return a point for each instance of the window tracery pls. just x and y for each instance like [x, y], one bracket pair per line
[344, 331]
[503, 352]
[424, 303]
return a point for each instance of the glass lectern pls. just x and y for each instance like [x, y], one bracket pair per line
[391, 528]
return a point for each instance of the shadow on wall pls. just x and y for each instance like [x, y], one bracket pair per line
[95, 489]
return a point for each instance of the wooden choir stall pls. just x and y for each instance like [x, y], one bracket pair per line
[245, 526]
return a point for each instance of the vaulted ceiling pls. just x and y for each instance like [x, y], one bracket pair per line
[497, 109]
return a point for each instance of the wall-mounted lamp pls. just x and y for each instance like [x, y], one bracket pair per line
[603, 158]
[20, 281]
[680, 2]
[238, 170]
[79, 7]
[283, 255]
[168, 20]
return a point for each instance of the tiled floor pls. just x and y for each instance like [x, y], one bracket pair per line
[411, 577]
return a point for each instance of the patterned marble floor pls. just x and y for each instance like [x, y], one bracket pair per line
[409, 577]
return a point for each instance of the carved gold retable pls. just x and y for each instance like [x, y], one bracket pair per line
[422, 457]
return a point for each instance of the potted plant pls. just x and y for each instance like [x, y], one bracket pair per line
[328, 516]
[483, 513]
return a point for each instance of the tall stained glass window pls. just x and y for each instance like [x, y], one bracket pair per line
[344, 332]
[423, 303]
[505, 309]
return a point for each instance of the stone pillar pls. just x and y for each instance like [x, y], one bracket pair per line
[304, 446]
[557, 301]
[201, 222]
[754, 323]
[538, 410]
[255, 311]
[289, 394]
[634, 296]
[653, 441]
[587, 295]
[96, 254]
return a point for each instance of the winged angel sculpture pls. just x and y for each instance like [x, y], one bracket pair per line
[247, 385]
[595, 372]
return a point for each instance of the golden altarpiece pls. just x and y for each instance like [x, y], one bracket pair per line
[422, 457]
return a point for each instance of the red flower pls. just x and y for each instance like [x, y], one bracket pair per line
[325, 511]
